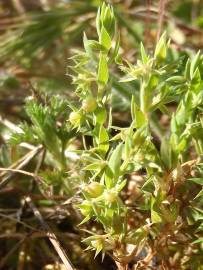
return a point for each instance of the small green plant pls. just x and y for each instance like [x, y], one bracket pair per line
[144, 194]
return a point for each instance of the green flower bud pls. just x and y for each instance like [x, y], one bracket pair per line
[110, 196]
[97, 243]
[94, 189]
[75, 118]
[89, 104]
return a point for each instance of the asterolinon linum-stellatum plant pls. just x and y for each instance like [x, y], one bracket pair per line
[162, 225]
[140, 191]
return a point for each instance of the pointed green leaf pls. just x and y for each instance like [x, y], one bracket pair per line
[155, 215]
[105, 39]
[200, 194]
[103, 73]
[143, 54]
[198, 241]
[115, 160]
[194, 64]
[103, 140]
[95, 166]
[100, 115]
[166, 154]
[137, 115]
[161, 48]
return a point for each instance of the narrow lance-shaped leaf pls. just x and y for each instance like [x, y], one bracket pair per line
[137, 115]
[103, 73]
[103, 140]
[194, 64]
[161, 48]
[105, 39]
[115, 160]
[155, 215]
[143, 54]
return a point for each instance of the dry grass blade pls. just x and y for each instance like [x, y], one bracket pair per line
[6, 216]
[52, 237]
[24, 160]
[11, 251]
[36, 177]
[16, 167]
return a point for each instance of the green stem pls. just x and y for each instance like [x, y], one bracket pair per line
[143, 105]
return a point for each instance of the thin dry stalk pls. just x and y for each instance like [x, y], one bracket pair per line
[52, 237]
[11, 251]
[21, 162]
[36, 177]
[147, 22]
[162, 7]
[18, 6]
